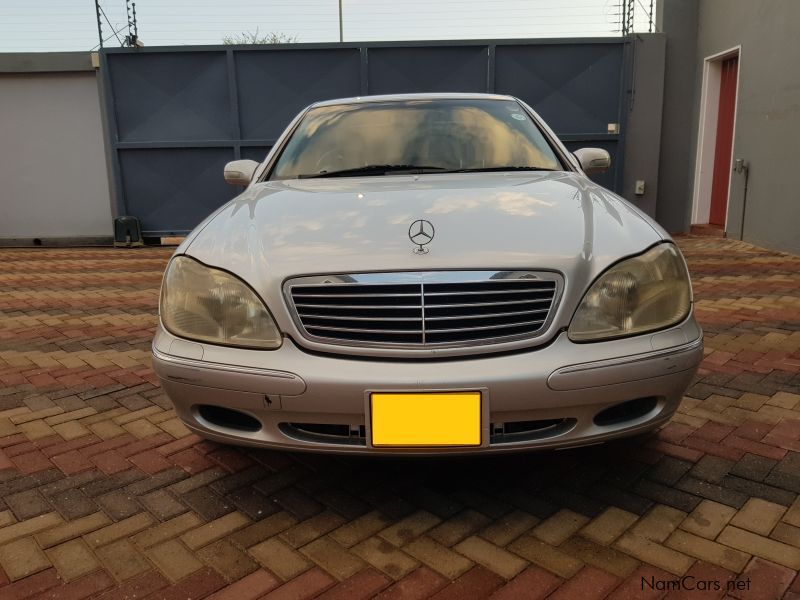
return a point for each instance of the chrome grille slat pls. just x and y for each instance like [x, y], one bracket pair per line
[363, 330]
[354, 295]
[471, 304]
[487, 292]
[424, 309]
[487, 315]
[360, 306]
[348, 318]
[484, 327]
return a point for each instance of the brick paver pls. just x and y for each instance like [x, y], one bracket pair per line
[104, 494]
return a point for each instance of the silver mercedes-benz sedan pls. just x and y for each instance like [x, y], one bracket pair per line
[425, 274]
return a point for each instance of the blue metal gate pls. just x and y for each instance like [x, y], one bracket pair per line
[176, 115]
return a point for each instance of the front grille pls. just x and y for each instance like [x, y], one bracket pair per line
[440, 308]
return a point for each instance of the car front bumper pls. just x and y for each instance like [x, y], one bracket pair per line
[555, 391]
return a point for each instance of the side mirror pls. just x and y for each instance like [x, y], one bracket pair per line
[593, 160]
[240, 172]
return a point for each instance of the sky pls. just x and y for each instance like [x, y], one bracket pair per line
[59, 25]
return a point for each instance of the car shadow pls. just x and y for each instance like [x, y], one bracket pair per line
[585, 480]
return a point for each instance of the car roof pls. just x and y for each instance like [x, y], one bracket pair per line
[404, 97]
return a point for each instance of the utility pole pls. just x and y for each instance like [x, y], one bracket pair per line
[341, 26]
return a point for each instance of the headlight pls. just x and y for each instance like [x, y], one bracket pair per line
[640, 294]
[209, 305]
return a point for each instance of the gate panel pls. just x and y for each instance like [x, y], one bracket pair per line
[171, 96]
[427, 69]
[174, 187]
[575, 88]
[256, 153]
[176, 115]
[274, 86]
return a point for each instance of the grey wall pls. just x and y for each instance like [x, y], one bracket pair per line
[643, 127]
[52, 157]
[678, 20]
[767, 129]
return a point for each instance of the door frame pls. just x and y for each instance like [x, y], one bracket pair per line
[707, 134]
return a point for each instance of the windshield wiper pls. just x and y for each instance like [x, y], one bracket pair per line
[491, 169]
[375, 170]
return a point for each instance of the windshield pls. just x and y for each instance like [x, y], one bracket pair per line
[415, 136]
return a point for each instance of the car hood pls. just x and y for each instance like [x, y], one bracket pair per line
[533, 221]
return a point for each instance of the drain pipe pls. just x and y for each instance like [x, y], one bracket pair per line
[740, 166]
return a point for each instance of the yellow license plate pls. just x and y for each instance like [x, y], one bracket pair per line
[434, 419]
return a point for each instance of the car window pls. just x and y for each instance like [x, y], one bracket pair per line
[434, 135]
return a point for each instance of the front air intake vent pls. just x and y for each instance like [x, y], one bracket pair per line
[228, 418]
[626, 411]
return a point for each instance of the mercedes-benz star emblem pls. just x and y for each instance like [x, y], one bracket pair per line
[421, 233]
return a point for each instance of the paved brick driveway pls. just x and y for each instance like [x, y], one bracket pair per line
[104, 493]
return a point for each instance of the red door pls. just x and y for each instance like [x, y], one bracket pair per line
[724, 143]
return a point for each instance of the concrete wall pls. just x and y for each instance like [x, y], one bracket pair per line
[643, 127]
[677, 19]
[52, 153]
[767, 128]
